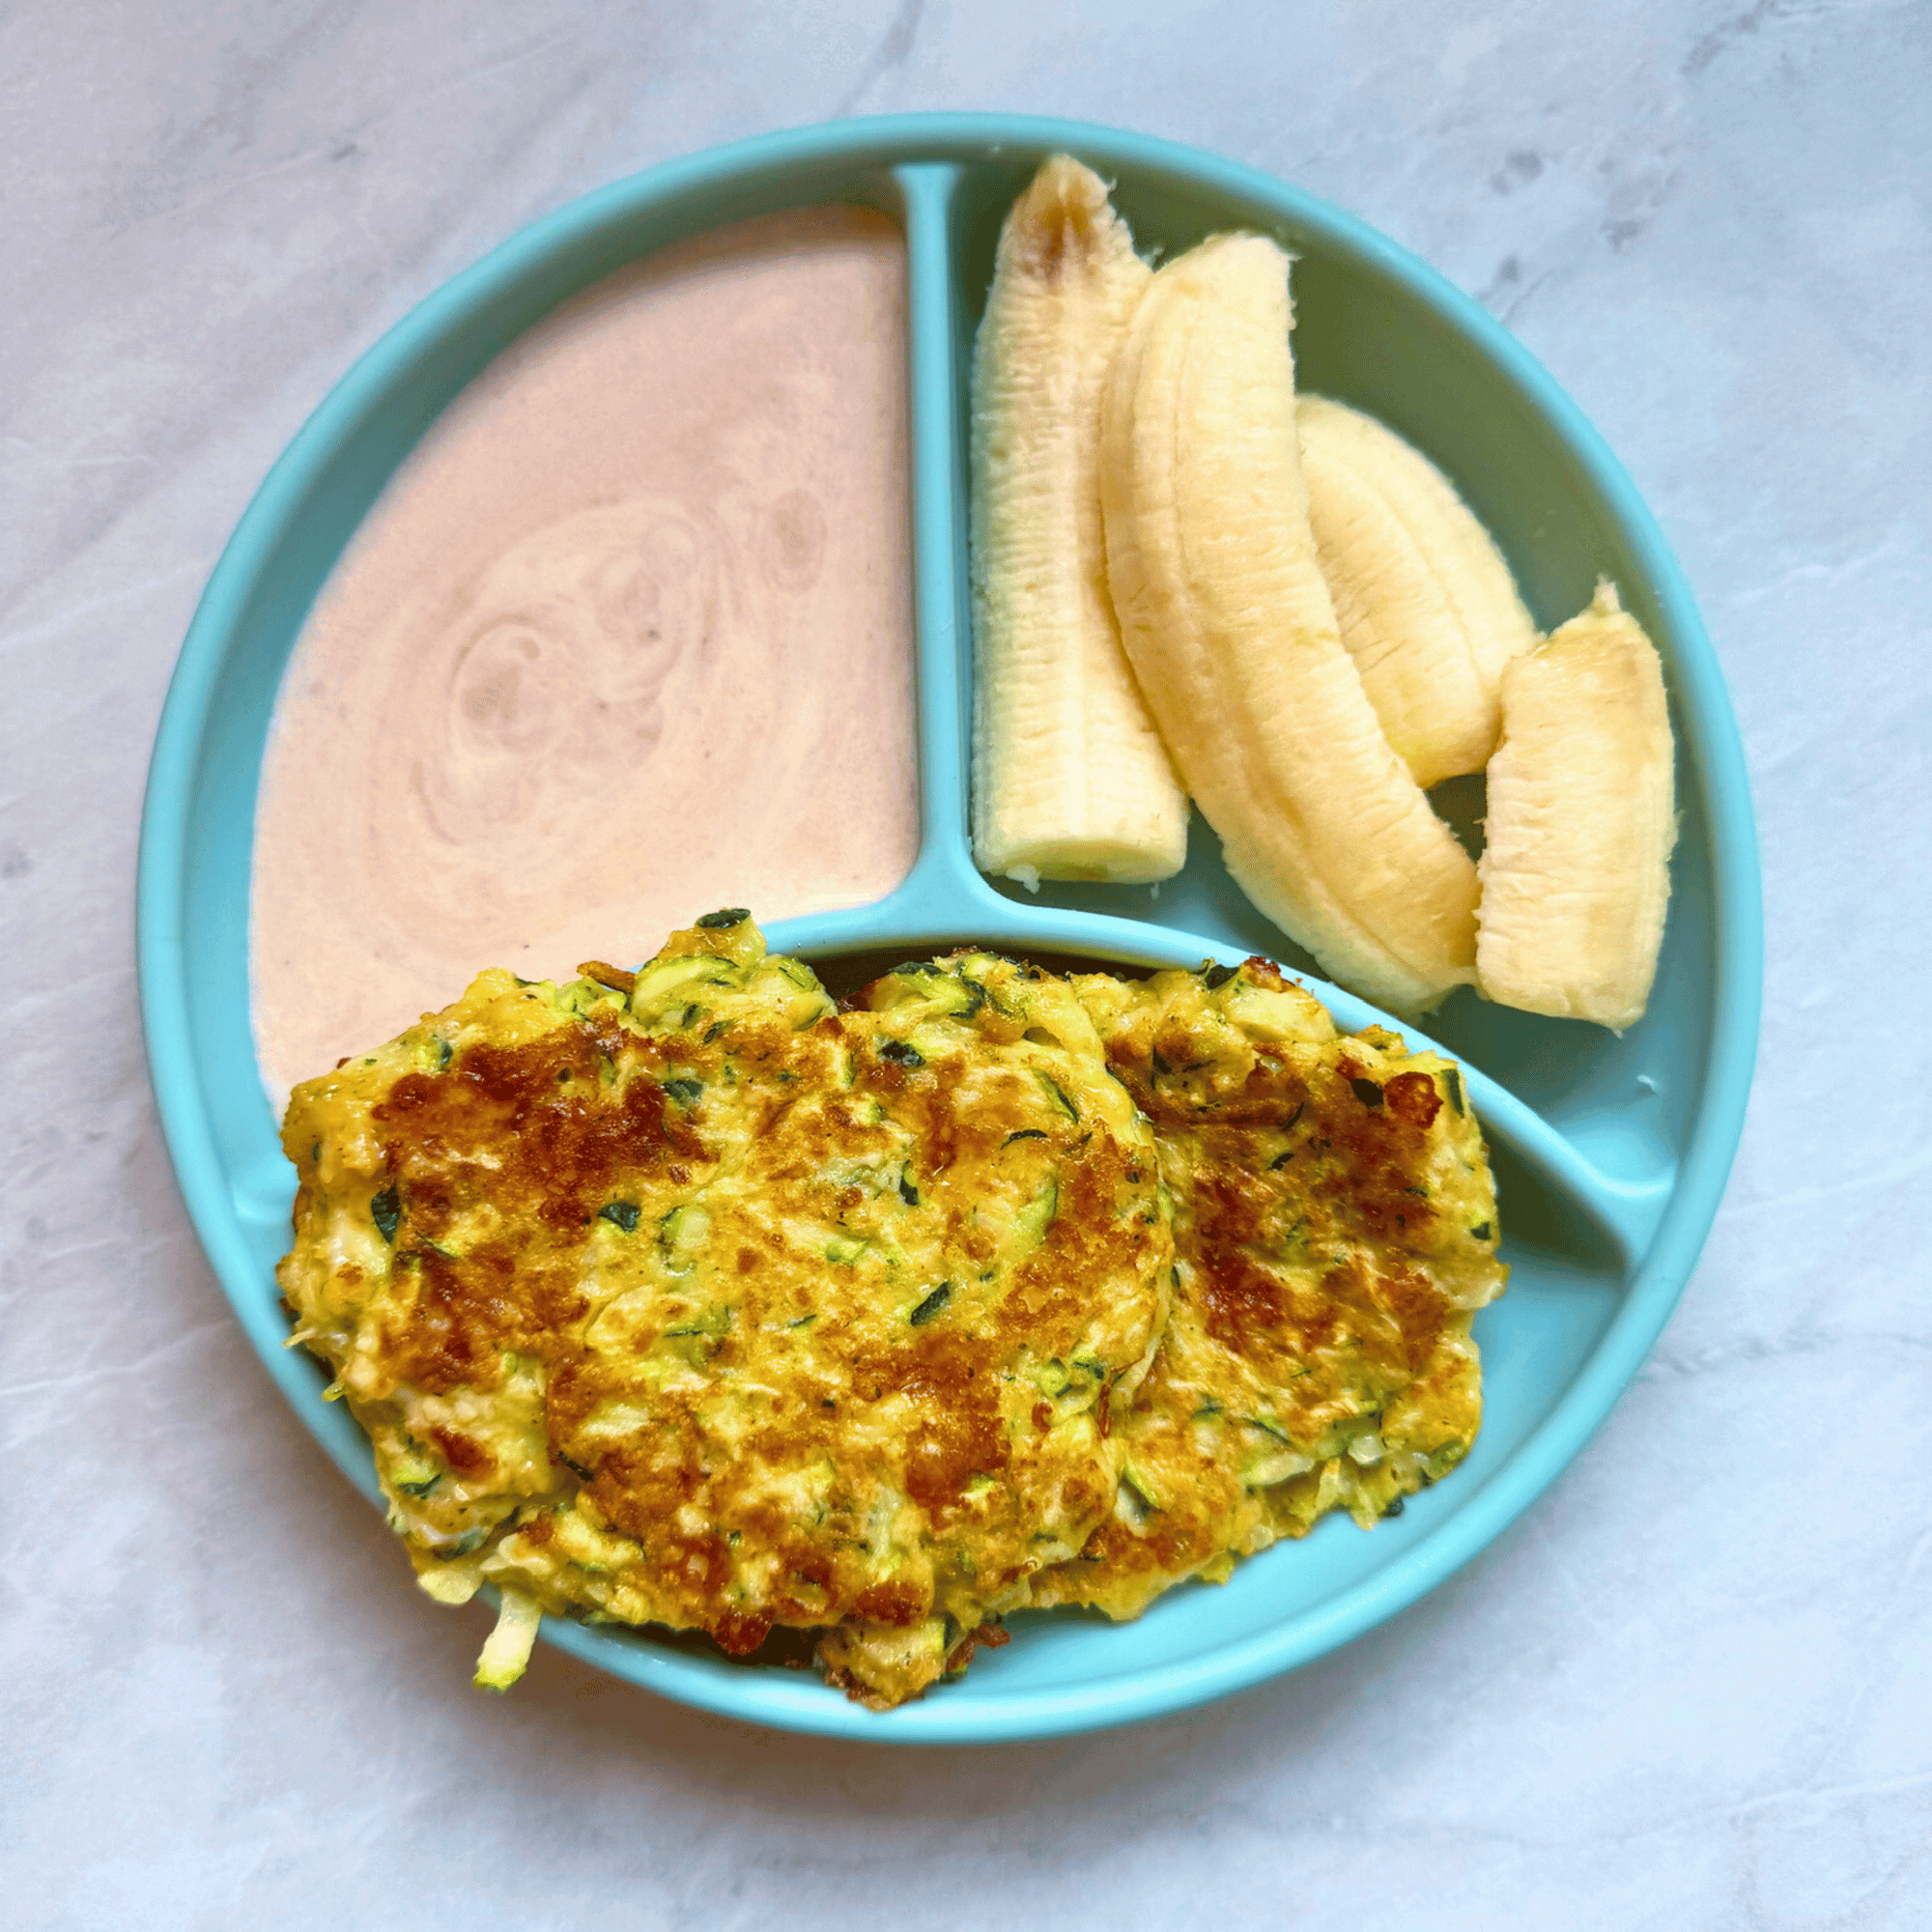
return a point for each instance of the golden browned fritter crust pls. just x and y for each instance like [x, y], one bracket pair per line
[1335, 1227]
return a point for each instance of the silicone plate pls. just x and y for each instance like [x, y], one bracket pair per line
[1611, 1153]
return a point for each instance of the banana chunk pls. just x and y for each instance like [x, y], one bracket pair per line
[1069, 777]
[1427, 606]
[1576, 876]
[1231, 631]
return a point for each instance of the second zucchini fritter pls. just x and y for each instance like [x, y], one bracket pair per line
[1335, 1229]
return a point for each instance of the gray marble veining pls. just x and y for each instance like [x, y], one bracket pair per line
[1691, 1689]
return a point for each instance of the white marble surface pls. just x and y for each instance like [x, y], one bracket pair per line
[1691, 1689]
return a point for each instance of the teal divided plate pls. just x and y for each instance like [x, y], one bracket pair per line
[1611, 1153]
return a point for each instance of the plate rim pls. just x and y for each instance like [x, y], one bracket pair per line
[1653, 1284]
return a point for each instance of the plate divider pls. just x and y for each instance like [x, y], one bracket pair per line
[943, 875]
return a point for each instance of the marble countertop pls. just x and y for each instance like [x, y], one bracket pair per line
[1692, 1687]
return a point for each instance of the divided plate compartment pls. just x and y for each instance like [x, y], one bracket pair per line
[1611, 1153]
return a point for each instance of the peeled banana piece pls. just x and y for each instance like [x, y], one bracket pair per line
[1427, 606]
[1575, 875]
[1069, 777]
[1233, 636]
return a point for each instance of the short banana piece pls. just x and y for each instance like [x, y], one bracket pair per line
[1575, 875]
[1427, 606]
[1069, 777]
[1233, 636]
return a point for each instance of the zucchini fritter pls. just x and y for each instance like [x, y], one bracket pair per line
[1335, 1229]
[700, 1302]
